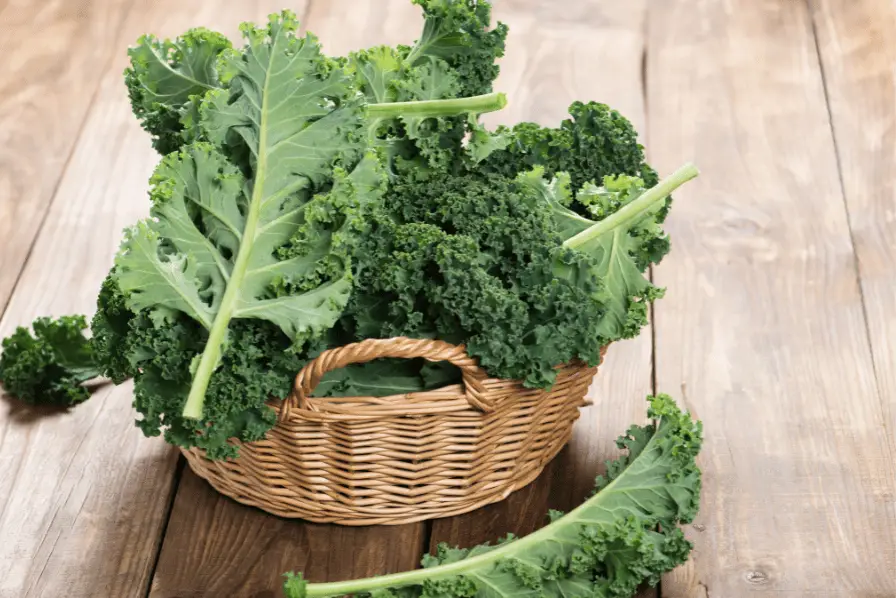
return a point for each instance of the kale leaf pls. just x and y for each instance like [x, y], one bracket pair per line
[596, 142]
[627, 533]
[49, 366]
[209, 249]
[166, 78]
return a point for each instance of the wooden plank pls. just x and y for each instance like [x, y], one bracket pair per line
[216, 546]
[83, 495]
[555, 55]
[857, 46]
[762, 332]
[53, 59]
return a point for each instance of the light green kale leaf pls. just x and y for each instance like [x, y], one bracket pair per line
[624, 535]
[614, 242]
[212, 247]
[167, 77]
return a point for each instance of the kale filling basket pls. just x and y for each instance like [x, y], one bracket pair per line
[444, 292]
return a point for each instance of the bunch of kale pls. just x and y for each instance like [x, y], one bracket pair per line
[377, 206]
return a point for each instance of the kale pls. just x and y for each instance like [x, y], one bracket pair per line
[625, 534]
[596, 142]
[50, 366]
[305, 202]
[166, 78]
[470, 259]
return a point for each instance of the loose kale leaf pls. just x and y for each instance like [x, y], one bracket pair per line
[624, 535]
[49, 366]
[210, 248]
[165, 75]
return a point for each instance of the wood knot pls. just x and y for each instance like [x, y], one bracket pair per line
[757, 577]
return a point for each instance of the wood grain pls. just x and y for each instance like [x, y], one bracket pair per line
[83, 495]
[53, 58]
[762, 332]
[555, 56]
[218, 547]
[215, 546]
[857, 46]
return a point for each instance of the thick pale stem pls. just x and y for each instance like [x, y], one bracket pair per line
[489, 102]
[638, 207]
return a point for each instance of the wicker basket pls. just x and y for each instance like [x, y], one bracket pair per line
[403, 458]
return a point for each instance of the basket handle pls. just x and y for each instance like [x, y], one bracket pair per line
[374, 348]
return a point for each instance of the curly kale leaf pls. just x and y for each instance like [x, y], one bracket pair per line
[596, 142]
[258, 364]
[109, 329]
[433, 140]
[627, 533]
[49, 367]
[454, 57]
[166, 77]
[458, 32]
[470, 259]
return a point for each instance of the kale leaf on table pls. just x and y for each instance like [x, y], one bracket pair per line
[49, 366]
[625, 534]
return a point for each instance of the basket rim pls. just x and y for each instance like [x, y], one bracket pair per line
[452, 398]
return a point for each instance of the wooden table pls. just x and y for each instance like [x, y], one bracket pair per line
[777, 329]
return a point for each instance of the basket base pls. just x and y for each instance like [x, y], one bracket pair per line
[341, 465]
[250, 499]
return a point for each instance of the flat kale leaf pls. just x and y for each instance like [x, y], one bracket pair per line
[211, 247]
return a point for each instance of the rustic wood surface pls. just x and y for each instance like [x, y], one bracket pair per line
[762, 332]
[776, 330]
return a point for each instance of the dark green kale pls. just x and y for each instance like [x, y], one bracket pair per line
[470, 259]
[596, 142]
[109, 329]
[50, 366]
[258, 364]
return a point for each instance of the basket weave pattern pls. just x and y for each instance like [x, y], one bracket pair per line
[403, 458]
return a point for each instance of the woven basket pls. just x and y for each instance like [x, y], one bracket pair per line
[403, 458]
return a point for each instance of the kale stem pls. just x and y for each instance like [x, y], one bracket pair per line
[638, 207]
[489, 102]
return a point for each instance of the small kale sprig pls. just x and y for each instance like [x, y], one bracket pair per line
[50, 366]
